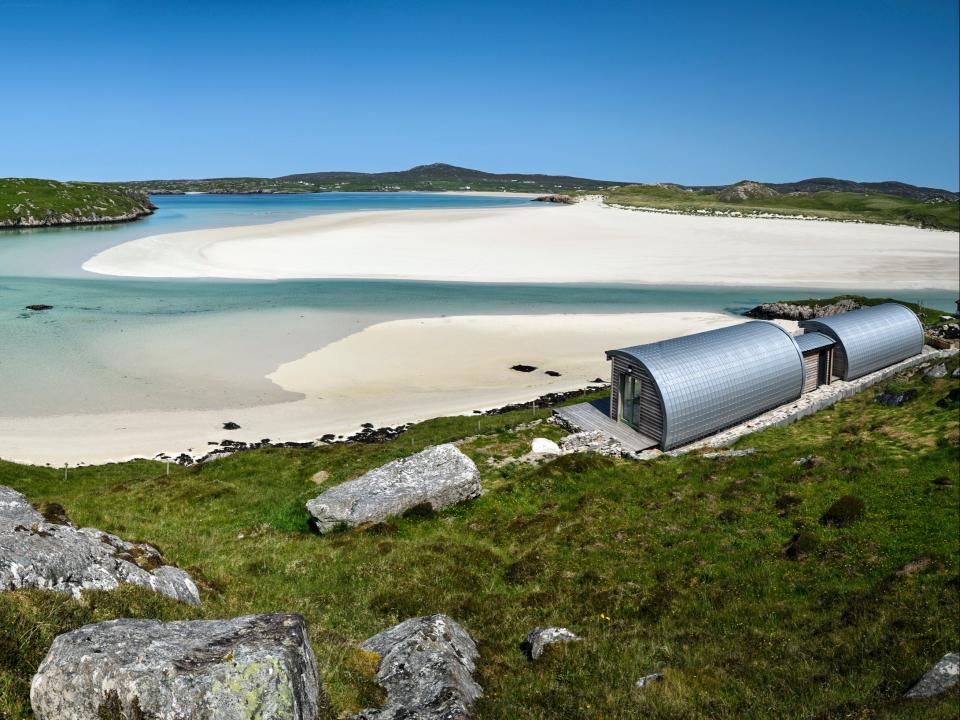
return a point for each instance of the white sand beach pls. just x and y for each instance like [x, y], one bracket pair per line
[387, 374]
[587, 242]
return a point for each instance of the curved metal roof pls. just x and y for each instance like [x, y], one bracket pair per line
[714, 379]
[813, 341]
[873, 337]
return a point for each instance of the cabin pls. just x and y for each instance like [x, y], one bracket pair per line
[676, 391]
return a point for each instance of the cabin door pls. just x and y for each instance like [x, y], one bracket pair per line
[630, 400]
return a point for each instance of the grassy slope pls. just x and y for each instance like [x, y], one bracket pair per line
[675, 564]
[27, 197]
[832, 205]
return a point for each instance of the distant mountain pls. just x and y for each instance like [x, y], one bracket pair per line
[441, 176]
[438, 176]
[825, 184]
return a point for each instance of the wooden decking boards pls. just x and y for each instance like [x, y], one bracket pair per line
[587, 417]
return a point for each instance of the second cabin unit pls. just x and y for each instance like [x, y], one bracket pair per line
[680, 390]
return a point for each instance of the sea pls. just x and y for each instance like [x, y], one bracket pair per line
[112, 343]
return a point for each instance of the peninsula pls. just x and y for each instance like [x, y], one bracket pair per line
[30, 202]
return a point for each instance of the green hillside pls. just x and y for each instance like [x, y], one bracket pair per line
[718, 572]
[865, 207]
[29, 202]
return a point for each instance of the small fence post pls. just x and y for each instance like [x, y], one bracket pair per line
[65, 472]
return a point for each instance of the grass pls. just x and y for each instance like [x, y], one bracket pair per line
[25, 201]
[875, 208]
[677, 565]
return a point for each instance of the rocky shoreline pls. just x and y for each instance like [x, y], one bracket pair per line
[368, 432]
[70, 219]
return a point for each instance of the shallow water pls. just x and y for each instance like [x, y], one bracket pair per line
[119, 344]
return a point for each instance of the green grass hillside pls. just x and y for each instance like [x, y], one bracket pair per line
[874, 208]
[680, 565]
[28, 202]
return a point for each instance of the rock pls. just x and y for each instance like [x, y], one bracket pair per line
[39, 307]
[50, 553]
[792, 311]
[895, 399]
[939, 679]
[560, 199]
[937, 371]
[647, 679]
[591, 441]
[809, 461]
[426, 666]
[538, 638]
[543, 446]
[253, 666]
[230, 426]
[320, 477]
[441, 476]
[523, 368]
[730, 453]
[551, 373]
[746, 190]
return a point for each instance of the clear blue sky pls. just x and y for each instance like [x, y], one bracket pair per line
[692, 92]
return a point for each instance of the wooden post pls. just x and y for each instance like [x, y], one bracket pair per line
[65, 472]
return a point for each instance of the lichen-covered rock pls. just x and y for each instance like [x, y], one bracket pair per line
[46, 551]
[591, 441]
[257, 666]
[440, 476]
[939, 679]
[538, 639]
[426, 666]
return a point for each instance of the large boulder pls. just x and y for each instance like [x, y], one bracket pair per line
[426, 666]
[939, 679]
[746, 190]
[258, 666]
[46, 551]
[439, 476]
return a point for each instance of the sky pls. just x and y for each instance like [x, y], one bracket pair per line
[690, 92]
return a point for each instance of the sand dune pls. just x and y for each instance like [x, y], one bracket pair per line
[587, 242]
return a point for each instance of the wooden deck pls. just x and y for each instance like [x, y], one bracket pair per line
[588, 416]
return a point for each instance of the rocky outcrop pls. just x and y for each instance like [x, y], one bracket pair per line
[439, 476]
[591, 441]
[745, 190]
[538, 639]
[46, 551]
[426, 666]
[939, 679]
[28, 202]
[560, 199]
[791, 311]
[257, 666]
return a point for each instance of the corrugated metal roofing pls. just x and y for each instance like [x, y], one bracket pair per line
[813, 341]
[873, 337]
[714, 379]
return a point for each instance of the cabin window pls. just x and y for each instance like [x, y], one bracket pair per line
[630, 400]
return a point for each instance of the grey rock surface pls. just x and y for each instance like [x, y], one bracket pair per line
[591, 441]
[939, 679]
[538, 639]
[792, 311]
[937, 371]
[50, 553]
[440, 476]
[426, 666]
[257, 666]
[647, 679]
[730, 453]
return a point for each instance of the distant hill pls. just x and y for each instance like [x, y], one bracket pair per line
[825, 184]
[435, 177]
[30, 202]
[441, 177]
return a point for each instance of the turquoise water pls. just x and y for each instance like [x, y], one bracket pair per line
[59, 252]
[114, 343]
